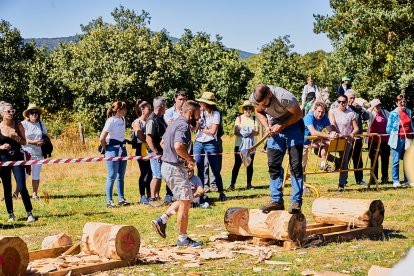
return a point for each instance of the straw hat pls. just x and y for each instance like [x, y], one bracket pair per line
[245, 103]
[208, 98]
[32, 107]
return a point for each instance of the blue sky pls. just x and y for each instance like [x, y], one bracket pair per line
[245, 25]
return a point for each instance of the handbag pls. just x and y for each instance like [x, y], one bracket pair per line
[408, 141]
[47, 147]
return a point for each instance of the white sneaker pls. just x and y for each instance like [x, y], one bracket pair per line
[396, 184]
[11, 218]
[409, 184]
[30, 217]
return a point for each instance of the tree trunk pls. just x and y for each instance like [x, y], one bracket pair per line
[56, 241]
[14, 256]
[346, 211]
[116, 242]
[279, 225]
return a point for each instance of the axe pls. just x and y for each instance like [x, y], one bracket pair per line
[245, 153]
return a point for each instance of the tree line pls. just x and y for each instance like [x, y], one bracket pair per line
[125, 60]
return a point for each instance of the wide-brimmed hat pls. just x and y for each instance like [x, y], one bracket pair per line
[208, 98]
[374, 103]
[245, 103]
[346, 78]
[32, 107]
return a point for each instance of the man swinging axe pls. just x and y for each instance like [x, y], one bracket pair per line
[286, 131]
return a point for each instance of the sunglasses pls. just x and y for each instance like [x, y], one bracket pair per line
[341, 102]
[33, 113]
[248, 108]
[10, 111]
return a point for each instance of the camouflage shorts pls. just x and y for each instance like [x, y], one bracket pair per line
[177, 180]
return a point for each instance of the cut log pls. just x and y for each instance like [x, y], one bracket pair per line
[116, 242]
[14, 256]
[279, 225]
[346, 211]
[56, 241]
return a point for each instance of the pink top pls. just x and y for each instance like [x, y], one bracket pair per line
[343, 120]
[379, 125]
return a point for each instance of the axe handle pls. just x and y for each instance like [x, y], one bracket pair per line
[252, 148]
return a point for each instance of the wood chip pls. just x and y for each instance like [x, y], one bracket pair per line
[191, 265]
[209, 255]
[92, 259]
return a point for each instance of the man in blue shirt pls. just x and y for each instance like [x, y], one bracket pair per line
[172, 113]
[315, 121]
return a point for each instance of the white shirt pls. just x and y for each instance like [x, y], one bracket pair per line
[115, 127]
[206, 121]
[142, 124]
[34, 132]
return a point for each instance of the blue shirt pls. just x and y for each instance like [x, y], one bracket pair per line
[319, 125]
[171, 114]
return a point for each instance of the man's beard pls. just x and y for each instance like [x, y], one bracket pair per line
[192, 121]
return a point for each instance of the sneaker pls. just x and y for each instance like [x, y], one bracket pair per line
[30, 217]
[326, 168]
[362, 183]
[204, 205]
[189, 242]
[213, 188]
[250, 187]
[294, 208]
[396, 184]
[231, 187]
[223, 197]
[160, 227]
[143, 200]
[409, 184]
[167, 199]
[11, 218]
[272, 206]
[35, 198]
[341, 189]
[123, 202]
[111, 204]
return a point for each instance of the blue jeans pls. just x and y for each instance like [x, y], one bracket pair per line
[397, 155]
[116, 171]
[155, 167]
[210, 147]
[291, 139]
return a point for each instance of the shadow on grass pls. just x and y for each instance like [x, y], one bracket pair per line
[12, 226]
[237, 197]
[75, 196]
[393, 234]
[72, 214]
[371, 189]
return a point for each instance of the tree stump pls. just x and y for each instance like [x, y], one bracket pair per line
[346, 211]
[14, 256]
[116, 242]
[56, 241]
[278, 225]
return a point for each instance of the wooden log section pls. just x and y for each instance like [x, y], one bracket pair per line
[14, 256]
[279, 225]
[346, 211]
[116, 242]
[56, 241]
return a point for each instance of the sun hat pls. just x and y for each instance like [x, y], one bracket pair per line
[374, 103]
[32, 107]
[208, 98]
[245, 103]
[346, 78]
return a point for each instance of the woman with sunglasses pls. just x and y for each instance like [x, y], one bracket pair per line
[344, 120]
[400, 128]
[12, 137]
[113, 144]
[245, 127]
[35, 130]
[143, 111]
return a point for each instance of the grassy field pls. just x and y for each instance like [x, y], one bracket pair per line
[76, 195]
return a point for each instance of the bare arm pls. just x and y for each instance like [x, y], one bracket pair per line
[21, 134]
[102, 139]
[181, 150]
[210, 131]
[261, 116]
[138, 131]
[150, 143]
[296, 115]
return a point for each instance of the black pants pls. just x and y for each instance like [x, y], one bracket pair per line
[20, 176]
[357, 160]
[237, 165]
[384, 153]
[146, 174]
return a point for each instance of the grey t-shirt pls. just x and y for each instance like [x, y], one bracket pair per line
[178, 131]
[281, 101]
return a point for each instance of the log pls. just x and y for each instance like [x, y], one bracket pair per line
[56, 241]
[14, 256]
[346, 211]
[279, 225]
[116, 242]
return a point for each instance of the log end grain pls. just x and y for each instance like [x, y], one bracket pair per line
[236, 221]
[14, 256]
[127, 242]
[376, 213]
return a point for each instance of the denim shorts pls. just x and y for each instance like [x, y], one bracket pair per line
[155, 167]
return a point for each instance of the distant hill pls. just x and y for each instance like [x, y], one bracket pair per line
[52, 43]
